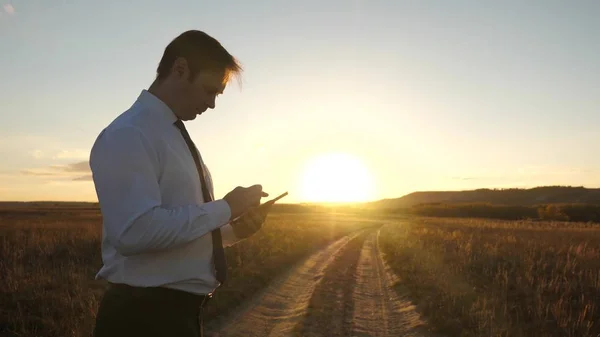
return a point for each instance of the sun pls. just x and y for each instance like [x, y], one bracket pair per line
[337, 177]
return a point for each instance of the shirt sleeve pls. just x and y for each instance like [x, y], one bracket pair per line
[125, 171]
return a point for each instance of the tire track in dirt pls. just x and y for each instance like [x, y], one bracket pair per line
[280, 307]
[345, 289]
[331, 305]
[379, 309]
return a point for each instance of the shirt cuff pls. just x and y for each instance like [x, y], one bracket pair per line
[228, 236]
[222, 213]
[219, 211]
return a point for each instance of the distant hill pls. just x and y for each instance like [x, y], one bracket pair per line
[543, 195]
[511, 196]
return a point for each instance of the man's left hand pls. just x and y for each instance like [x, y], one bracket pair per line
[250, 222]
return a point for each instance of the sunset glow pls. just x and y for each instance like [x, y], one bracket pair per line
[337, 177]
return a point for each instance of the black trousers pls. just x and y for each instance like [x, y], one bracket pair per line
[127, 311]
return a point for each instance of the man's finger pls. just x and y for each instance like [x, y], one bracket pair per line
[257, 222]
[256, 188]
[253, 216]
[256, 192]
[264, 210]
[249, 225]
[259, 216]
[263, 214]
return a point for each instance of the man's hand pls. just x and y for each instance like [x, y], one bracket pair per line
[241, 199]
[251, 222]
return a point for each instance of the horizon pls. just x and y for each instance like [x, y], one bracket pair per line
[344, 202]
[397, 97]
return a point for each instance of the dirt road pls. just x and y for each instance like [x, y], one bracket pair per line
[341, 290]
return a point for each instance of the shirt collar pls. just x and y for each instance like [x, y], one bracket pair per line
[157, 106]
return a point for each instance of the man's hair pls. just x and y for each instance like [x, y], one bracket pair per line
[202, 52]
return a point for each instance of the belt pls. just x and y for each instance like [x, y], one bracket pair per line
[162, 294]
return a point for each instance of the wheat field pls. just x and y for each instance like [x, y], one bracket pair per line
[468, 277]
[50, 255]
[475, 277]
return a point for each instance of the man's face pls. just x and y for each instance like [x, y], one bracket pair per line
[198, 95]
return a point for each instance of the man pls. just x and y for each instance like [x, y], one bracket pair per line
[163, 234]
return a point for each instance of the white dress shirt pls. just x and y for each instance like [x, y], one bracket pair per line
[156, 225]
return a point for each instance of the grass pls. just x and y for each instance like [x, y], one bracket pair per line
[49, 256]
[499, 278]
[469, 277]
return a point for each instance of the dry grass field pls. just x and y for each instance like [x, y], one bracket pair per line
[468, 277]
[50, 255]
[500, 278]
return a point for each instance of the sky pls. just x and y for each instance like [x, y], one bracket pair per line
[425, 95]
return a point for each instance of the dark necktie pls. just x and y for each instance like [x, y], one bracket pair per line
[218, 251]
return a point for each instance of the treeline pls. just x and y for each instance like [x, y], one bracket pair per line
[562, 212]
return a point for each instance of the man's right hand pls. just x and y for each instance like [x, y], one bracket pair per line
[241, 199]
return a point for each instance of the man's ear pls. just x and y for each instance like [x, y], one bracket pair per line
[180, 68]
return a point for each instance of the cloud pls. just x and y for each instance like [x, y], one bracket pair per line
[82, 166]
[71, 154]
[37, 172]
[79, 171]
[37, 154]
[9, 9]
